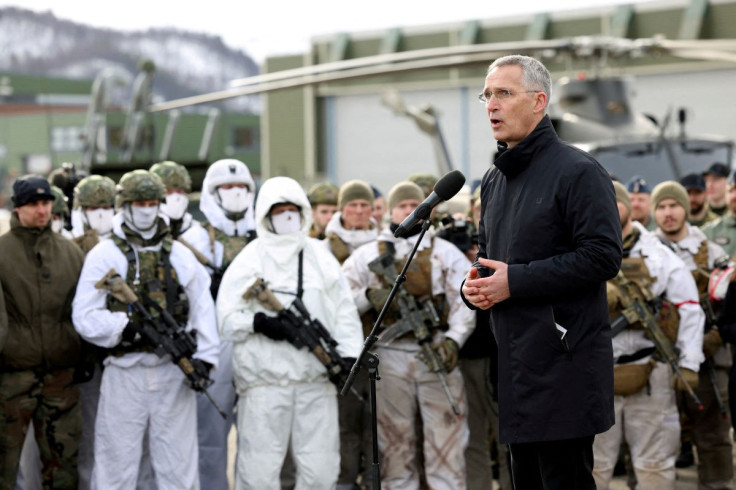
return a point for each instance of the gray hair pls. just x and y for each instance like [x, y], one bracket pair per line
[535, 74]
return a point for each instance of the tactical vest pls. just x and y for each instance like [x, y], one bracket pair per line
[147, 276]
[636, 271]
[232, 245]
[418, 283]
[339, 248]
[700, 273]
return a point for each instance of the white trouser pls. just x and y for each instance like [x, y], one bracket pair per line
[268, 416]
[650, 423]
[407, 385]
[29, 467]
[136, 399]
[212, 429]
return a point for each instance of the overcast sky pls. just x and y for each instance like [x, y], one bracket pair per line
[267, 28]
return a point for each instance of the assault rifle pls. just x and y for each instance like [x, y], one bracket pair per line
[308, 332]
[217, 272]
[419, 318]
[710, 322]
[163, 334]
[638, 307]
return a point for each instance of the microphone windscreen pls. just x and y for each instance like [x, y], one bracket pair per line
[449, 185]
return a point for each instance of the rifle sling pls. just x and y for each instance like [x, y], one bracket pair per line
[640, 354]
[300, 276]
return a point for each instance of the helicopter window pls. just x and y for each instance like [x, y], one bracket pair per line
[658, 161]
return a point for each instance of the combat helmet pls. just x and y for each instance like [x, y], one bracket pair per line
[425, 181]
[59, 206]
[94, 191]
[173, 175]
[139, 185]
[323, 193]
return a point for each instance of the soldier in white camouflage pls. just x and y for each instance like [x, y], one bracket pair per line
[178, 185]
[94, 202]
[227, 204]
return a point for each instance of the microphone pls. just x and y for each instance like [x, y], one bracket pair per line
[449, 185]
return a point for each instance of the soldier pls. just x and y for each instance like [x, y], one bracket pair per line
[408, 387]
[700, 214]
[143, 392]
[379, 207]
[349, 228]
[94, 201]
[710, 431]
[227, 204]
[178, 185]
[39, 271]
[716, 188]
[352, 226]
[723, 231]
[284, 394]
[59, 213]
[323, 198]
[645, 407]
[640, 195]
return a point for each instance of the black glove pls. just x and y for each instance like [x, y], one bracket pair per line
[199, 380]
[272, 327]
[131, 334]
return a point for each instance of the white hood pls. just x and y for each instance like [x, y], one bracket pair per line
[213, 212]
[277, 190]
[352, 238]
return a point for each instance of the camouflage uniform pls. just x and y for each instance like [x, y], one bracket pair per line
[94, 191]
[217, 242]
[39, 271]
[710, 430]
[143, 393]
[408, 388]
[322, 193]
[176, 178]
[723, 232]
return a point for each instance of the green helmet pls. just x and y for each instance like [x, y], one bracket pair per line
[139, 185]
[94, 191]
[323, 193]
[59, 205]
[173, 175]
[425, 181]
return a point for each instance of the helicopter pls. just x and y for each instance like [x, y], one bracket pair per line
[593, 112]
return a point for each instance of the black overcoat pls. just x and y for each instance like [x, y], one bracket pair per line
[549, 211]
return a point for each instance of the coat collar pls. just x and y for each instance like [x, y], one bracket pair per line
[513, 161]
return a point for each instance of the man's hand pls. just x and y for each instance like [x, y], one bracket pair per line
[448, 351]
[484, 292]
[691, 377]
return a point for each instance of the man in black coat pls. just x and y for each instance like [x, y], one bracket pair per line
[549, 238]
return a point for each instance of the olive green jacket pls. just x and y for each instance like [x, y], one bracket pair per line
[722, 232]
[39, 271]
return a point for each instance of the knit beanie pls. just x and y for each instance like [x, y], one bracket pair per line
[670, 189]
[354, 189]
[403, 191]
[622, 195]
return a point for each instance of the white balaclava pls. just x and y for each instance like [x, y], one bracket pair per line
[175, 206]
[142, 219]
[99, 219]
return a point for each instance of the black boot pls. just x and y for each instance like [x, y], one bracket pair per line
[686, 458]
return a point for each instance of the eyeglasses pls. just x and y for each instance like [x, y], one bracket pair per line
[501, 94]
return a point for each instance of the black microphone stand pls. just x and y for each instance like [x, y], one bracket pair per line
[370, 360]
